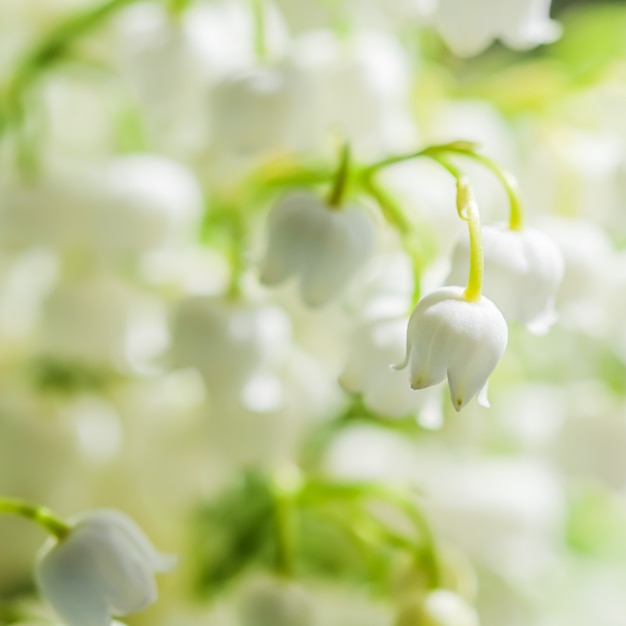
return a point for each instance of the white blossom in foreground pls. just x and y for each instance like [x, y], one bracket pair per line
[439, 608]
[470, 26]
[451, 336]
[523, 271]
[104, 567]
[324, 247]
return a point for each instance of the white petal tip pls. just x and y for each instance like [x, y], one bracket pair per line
[401, 365]
[483, 398]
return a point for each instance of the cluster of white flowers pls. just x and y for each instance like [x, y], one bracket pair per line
[232, 261]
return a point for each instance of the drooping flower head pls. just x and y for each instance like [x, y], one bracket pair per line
[103, 568]
[451, 336]
[322, 247]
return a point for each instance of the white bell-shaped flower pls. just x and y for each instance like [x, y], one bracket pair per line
[451, 336]
[233, 344]
[323, 247]
[104, 567]
[384, 390]
[470, 26]
[259, 110]
[523, 271]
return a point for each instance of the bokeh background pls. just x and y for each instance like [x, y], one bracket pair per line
[144, 367]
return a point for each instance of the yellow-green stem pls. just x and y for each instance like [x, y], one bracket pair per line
[395, 216]
[259, 29]
[45, 53]
[468, 211]
[466, 149]
[285, 486]
[473, 291]
[508, 181]
[38, 514]
[341, 180]
[316, 491]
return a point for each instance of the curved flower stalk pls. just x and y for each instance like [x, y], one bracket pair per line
[104, 566]
[454, 332]
[470, 26]
[523, 271]
[323, 247]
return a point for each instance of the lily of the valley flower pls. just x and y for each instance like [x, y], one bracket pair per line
[323, 247]
[469, 26]
[104, 567]
[449, 335]
[523, 271]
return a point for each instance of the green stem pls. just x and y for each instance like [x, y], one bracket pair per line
[38, 514]
[322, 491]
[285, 487]
[391, 211]
[429, 151]
[46, 52]
[259, 29]
[466, 149]
[395, 216]
[508, 181]
[473, 291]
[178, 7]
[468, 211]
[342, 178]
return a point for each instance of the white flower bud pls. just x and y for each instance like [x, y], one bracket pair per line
[469, 26]
[523, 271]
[439, 608]
[324, 248]
[451, 336]
[104, 567]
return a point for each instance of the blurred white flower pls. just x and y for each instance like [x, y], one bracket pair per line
[505, 512]
[273, 602]
[166, 74]
[523, 271]
[358, 90]
[470, 26]
[323, 247]
[234, 345]
[259, 110]
[451, 336]
[150, 202]
[131, 205]
[375, 347]
[88, 320]
[104, 567]
[440, 607]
